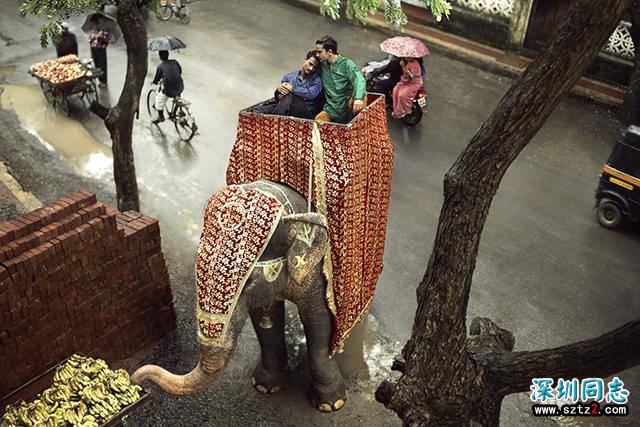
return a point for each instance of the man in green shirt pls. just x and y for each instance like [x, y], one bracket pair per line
[343, 83]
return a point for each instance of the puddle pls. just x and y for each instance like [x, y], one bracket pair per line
[6, 72]
[56, 131]
[378, 350]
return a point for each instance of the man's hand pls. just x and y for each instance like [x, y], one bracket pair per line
[358, 105]
[285, 88]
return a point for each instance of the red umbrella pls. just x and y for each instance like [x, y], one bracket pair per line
[403, 46]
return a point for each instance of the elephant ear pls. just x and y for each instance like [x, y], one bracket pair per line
[309, 234]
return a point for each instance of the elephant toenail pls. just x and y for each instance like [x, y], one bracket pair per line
[325, 407]
[274, 390]
[262, 389]
[339, 404]
[253, 381]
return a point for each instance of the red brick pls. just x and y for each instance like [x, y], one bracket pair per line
[102, 276]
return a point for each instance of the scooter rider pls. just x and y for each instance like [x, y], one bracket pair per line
[385, 86]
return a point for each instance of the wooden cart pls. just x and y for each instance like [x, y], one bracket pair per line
[58, 93]
[30, 390]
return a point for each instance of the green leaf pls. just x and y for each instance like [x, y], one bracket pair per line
[55, 12]
[359, 10]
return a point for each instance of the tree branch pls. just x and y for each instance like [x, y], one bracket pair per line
[607, 354]
[473, 180]
[99, 110]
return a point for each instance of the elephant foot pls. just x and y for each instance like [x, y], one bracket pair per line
[328, 402]
[268, 382]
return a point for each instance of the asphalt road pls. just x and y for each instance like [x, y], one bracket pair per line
[546, 270]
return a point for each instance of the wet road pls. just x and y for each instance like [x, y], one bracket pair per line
[546, 270]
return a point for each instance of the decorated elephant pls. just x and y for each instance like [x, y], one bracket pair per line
[260, 245]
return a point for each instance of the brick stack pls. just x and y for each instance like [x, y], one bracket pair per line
[78, 276]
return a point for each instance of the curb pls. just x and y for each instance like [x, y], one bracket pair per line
[482, 56]
[11, 191]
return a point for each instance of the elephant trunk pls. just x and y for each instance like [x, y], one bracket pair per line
[212, 361]
[207, 371]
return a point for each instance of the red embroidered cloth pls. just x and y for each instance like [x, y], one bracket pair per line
[237, 227]
[358, 163]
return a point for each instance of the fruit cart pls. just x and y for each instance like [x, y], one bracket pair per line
[28, 400]
[65, 77]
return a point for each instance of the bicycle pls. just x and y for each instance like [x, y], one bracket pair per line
[167, 8]
[180, 114]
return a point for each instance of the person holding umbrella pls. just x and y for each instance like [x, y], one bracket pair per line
[410, 50]
[407, 87]
[98, 41]
[102, 30]
[169, 72]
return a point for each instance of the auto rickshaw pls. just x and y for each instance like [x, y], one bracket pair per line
[618, 194]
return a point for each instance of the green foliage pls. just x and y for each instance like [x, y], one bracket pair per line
[439, 8]
[331, 8]
[394, 14]
[55, 11]
[358, 10]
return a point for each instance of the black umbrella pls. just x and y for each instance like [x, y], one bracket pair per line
[99, 21]
[166, 43]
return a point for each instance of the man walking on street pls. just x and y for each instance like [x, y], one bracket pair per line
[170, 72]
[344, 84]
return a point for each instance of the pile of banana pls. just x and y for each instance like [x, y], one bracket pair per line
[85, 393]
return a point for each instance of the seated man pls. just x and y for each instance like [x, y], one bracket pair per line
[170, 72]
[298, 93]
[344, 84]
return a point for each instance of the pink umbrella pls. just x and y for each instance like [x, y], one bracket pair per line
[402, 46]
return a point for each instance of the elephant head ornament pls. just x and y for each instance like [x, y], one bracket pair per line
[259, 246]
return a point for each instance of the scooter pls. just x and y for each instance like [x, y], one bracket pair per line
[379, 82]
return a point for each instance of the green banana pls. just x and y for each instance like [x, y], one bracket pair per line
[85, 392]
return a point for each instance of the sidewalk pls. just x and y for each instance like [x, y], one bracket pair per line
[493, 59]
[12, 193]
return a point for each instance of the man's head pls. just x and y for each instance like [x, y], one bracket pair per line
[326, 47]
[310, 64]
[64, 28]
[164, 55]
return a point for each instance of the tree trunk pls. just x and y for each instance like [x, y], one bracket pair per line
[631, 105]
[443, 383]
[119, 119]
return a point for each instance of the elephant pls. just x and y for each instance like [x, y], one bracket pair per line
[301, 281]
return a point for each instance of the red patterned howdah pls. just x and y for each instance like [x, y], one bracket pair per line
[358, 163]
[237, 227]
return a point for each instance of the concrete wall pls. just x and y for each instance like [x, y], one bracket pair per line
[78, 276]
[493, 30]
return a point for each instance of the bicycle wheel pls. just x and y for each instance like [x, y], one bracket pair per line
[91, 93]
[151, 102]
[164, 12]
[47, 89]
[185, 123]
[62, 103]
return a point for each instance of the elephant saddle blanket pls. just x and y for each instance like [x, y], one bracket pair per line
[237, 227]
[348, 173]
